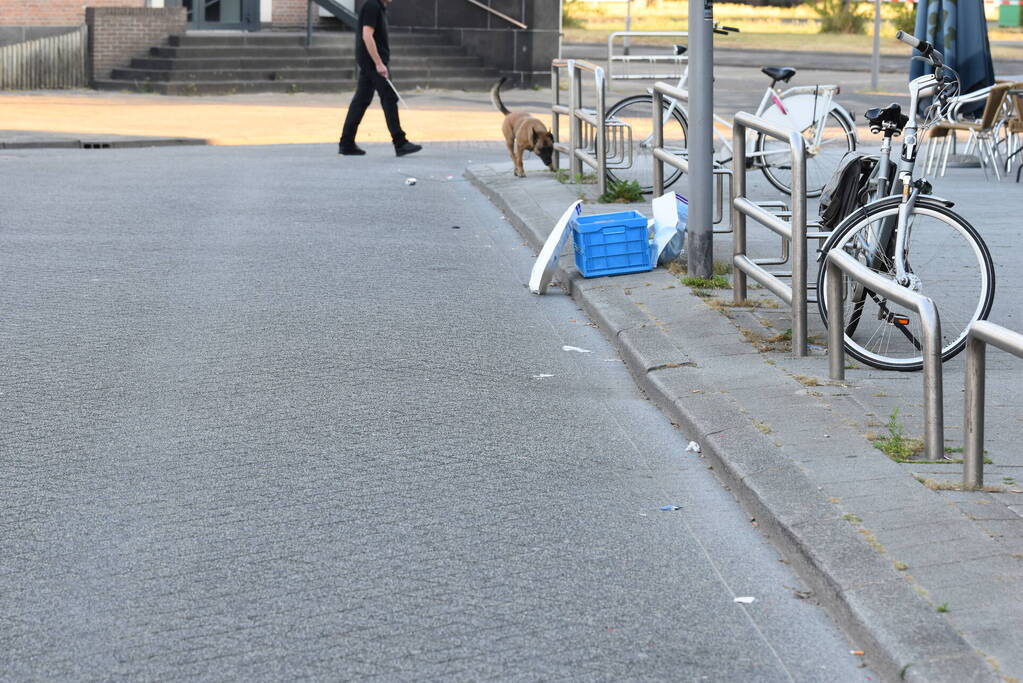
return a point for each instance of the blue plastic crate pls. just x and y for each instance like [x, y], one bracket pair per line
[611, 244]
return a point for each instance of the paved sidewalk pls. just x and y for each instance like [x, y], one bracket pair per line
[886, 550]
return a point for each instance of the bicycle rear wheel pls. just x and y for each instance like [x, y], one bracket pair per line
[637, 112]
[837, 138]
[947, 261]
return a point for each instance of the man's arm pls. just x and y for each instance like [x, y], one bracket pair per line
[371, 48]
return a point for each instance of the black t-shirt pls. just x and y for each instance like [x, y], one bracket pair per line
[373, 13]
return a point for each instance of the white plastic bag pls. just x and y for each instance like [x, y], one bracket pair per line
[671, 213]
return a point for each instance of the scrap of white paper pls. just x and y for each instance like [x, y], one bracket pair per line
[693, 447]
[745, 600]
[576, 349]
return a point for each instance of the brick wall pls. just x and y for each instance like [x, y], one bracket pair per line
[54, 12]
[116, 34]
[289, 13]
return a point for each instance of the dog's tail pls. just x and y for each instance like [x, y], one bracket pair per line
[495, 96]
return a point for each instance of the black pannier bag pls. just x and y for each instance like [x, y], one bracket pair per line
[850, 187]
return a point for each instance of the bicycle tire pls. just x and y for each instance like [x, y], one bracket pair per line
[950, 263]
[820, 166]
[637, 111]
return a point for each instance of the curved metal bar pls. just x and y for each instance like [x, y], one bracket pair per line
[981, 334]
[930, 322]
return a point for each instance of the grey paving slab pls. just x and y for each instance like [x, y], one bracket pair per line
[274, 417]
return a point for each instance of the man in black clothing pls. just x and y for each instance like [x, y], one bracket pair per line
[372, 53]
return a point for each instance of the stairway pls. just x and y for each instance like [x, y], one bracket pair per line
[211, 63]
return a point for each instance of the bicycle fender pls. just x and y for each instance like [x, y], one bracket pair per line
[861, 213]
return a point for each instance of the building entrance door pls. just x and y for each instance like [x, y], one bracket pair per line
[221, 14]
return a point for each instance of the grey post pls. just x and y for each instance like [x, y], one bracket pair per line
[739, 292]
[600, 130]
[555, 111]
[575, 124]
[980, 335]
[930, 323]
[701, 139]
[658, 122]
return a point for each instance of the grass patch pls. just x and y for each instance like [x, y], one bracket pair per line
[807, 381]
[852, 518]
[715, 282]
[763, 343]
[564, 177]
[621, 192]
[943, 607]
[900, 566]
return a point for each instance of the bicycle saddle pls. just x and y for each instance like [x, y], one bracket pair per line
[888, 118]
[680, 49]
[779, 73]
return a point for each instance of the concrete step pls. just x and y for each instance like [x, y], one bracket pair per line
[409, 74]
[332, 62]
[297, 51]
[285, 39]
[234, 87]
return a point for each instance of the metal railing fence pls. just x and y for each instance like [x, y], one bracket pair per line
[578, 149]
[981, 334]
[793, 230]
[662, 156]
[838, 262]
[627, 58]
[51, 62]
[500, 15]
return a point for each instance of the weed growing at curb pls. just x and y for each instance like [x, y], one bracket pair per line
[897, 445]
[779, 342]
[564, 177]
[943, 607]
[621, 192]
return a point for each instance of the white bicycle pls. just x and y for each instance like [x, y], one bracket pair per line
[827, 126]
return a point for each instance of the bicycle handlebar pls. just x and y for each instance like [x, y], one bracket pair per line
[925, 48]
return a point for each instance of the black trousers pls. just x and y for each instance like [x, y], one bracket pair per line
[369, 82]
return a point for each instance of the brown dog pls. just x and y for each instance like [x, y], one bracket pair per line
[523, 131]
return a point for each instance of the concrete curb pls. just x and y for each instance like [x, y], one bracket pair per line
[905, 639]
[100, 143]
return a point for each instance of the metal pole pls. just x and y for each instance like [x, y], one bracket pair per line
[934, 426]
[798, 150]
[973, 414]
[738, 217]
[555, 117]
[701, 139]
[658, 142]
[575, 126]
[309, 24]
[601, 131]
[628, 27]
[836, 326]
[875, 58]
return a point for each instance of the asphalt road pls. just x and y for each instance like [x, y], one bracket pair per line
[269, 413]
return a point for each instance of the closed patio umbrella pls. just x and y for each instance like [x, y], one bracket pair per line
[958, 29]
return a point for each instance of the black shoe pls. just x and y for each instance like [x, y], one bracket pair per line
[407, 148]
[352, 150]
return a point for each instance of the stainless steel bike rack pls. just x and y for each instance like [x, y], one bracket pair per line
[662, 156]
[793, 230]
[626, 59]
[981, 334]
[578, 151]
[839, 262]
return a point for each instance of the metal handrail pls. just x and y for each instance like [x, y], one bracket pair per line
[648, 58]
[662, 156]
[839, 261]
[793, 230]
[498, 14]
[980, 334]
[596, 118]
[340, 12]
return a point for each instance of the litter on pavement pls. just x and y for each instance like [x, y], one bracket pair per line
[693, 447]
[746, 600]
[410, 181]
[575, 349]
[669, 508]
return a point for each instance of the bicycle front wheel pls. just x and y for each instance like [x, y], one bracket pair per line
[836, 137]
[947, 261]
[637, 112]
